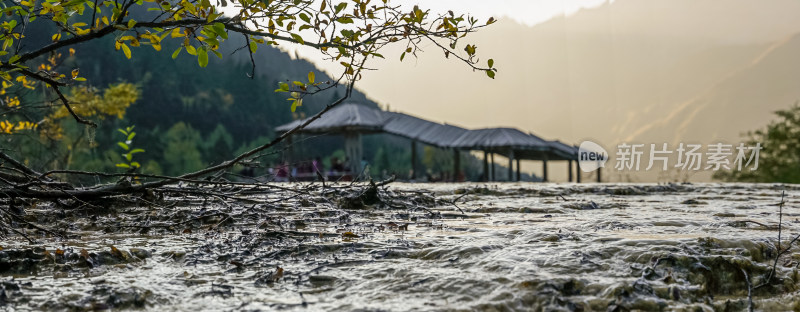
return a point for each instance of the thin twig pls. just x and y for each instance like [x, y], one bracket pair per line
[749, 291]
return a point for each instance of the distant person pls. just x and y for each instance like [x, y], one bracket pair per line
[283, 172]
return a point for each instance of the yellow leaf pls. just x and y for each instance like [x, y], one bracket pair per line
[56, 37]
[126, 50]
[75, 73]
[176, 32]
[71, 52]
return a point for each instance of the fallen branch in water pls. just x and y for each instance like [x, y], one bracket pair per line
[781, 251]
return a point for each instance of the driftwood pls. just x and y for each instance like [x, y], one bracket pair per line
[20, 182]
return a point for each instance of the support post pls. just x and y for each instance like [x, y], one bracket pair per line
[569, 170]
[413, 159]
[354, 152]
[519, 170]
[494, 178]
[510, 165]
[456, 164]
[578, 171]
[599, 175]
[485, 166]
[544, 169]
[289, 152]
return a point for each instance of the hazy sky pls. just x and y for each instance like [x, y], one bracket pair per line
[529, 12]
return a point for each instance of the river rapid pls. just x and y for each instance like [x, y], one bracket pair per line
[419, 247]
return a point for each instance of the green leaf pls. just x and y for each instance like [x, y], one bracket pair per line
[121, 165]
[135, 164]
[123, 145]
[219, 55]
[131, 23]
[219, 29]
[191, 50]
[128, 156]
[130, 136]
[296, 103]
[491, 63]
[177, 51]
[305, 18]
[339, 7]
[311, 77]
[345, 20]
[297, 38]
[490, 73]
[202, 57]
[402, 56]
[136, 150]
[253, 47]
[470, 49]
[299, 84]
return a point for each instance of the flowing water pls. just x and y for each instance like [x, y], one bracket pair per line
[491, 247]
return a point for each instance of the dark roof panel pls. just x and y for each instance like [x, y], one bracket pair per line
[422, 130]
[352, 117]
[499, 138]
[345, 117]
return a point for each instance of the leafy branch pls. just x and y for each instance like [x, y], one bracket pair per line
[127, 146]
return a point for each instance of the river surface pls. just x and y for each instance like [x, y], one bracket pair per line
[423, 247]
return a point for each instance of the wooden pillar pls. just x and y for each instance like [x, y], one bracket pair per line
[485, 166]
[544, 169]
[491, 167]
[456, 164]
[354, 151]
[413, 159]
[289, 151]
[519, 169]
[510, 165]
[599, 176]
[578, 171]
[569, 170]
